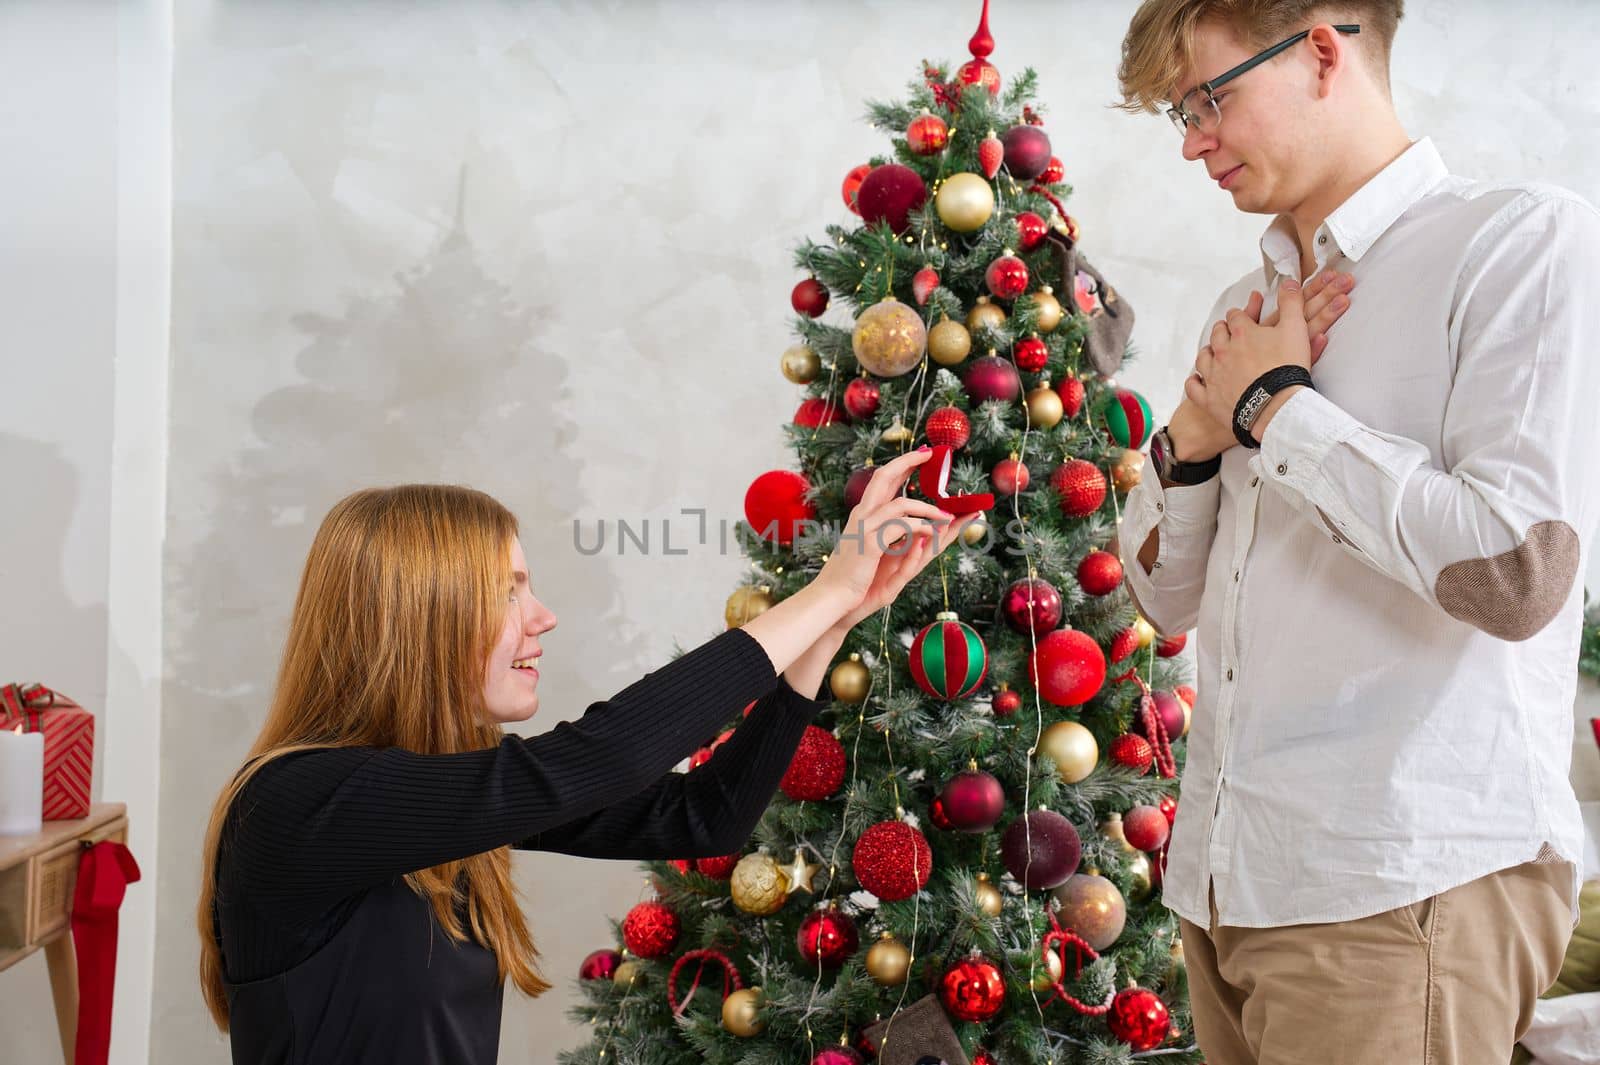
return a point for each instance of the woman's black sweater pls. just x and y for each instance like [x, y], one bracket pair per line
[330, 957]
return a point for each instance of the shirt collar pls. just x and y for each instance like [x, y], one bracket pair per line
[1356, 224]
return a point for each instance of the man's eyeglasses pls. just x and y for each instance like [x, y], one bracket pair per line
[1199, 107]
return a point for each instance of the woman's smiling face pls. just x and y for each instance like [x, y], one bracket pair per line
[511, 681]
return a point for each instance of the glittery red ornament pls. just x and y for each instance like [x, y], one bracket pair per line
[776, 503]
[1031, 606]
[1145, 827]
[1171, 646]
[1031, 230]
[890, 193]
[972, 989]
[1071, 393]
[650, 930]
[992, 377]
[1031, 354]
[949, 427]
[991, 153]
[816, 412]
[1124, 644]
[1053, 173]
[1133, 751]
[973, 801]
[840, 1055]
[851, 188]
[923, 282]
[1027, 151]
[599, 965]
[861, 398]
[1041, 850]
[927, 134]
[856, 485]
[817, 769]
[1100, 573]
[1170, 710]
[1009, 477]
[810, 297]
[1139, 1018]
[1006, 703]
[717, 868]
[1068, 668]
[892, 860]
[1082, 487]
[826, 937]
[1007, 277]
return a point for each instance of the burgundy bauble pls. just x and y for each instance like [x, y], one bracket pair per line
[1169, 808]
[1041, 849]
[775, 504]
[1031, 606]
[1009, 477]
[890, 193]
[1054, 171]
[1145, 827]
[1031, 230]
[720, 868]
[1132, 751]
[1006, 703]
[817, 768]
[927, 135]
[973, 801]
[1031, 355]
[1082, 487]
[650, 930]
[949, 427]
[1171, 646]
[826, 937]
[1071, 393]
[1068, 668]
[840, 1055]
[1139, 1018]
[1027, 151]
[1169, 710]
[1100, 573]
[892, 860]
[1007, 277]
[810, 297]
[972, 989]
[861, 398]
[856, 484]
[992, 377]
[599, 965]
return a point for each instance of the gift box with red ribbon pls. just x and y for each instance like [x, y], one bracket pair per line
[68, 744]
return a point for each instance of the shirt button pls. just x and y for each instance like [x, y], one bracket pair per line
[1161, 508]
[1337, 540]
[1323, 239]
[1254, 481]
[1230, 674]
[1283, 468]
[1236, 575]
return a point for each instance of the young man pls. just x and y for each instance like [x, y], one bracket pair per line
[1376, 845]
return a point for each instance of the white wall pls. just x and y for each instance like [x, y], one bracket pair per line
[543, 248]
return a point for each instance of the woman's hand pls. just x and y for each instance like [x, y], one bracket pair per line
[899, 565]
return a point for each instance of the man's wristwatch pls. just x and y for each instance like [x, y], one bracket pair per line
[1168, 468]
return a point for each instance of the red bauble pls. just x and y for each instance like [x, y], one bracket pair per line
[1133, 751]
[1100, 573]
[1169, 809]
[1071, 393]
[949, 427]
[1031, 355]
[1031, 230]
[856, 485]
[816, 413]
[826, 937]
[991, 153]
[1082, 487]
[1027, 151]
[1186, 693]
[682, 865]
[927, 135]
[972, 989]
[890, 193]
[1031, 606]
[703, 755]
[1041, 850]
[809, 297]
[1145, 827]
[650, 930]
[1138, 1018]
[892, 860]
[817, 769]
[1068, 668]
[1169, 710]
[1007, 277]
[1006, 703]
[1009, 477]
[599, 965]
[840, 1055]
[717, 868]
[1054, 171]
[936, 814]
[980, 72]
[1124, 644]
[861, 398]
[992, 377]
[776, 504]
[972, 801]
[981, 1057]
[923, 282]
[851, 188]
[1171, 646]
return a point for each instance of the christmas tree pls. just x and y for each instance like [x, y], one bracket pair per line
[963, 862]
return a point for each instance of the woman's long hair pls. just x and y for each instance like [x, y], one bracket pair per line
[402, 598]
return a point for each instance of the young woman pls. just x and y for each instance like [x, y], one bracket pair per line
[357, 903]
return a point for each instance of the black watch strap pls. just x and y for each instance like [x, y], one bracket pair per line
[1185, 473]
[1259, 394]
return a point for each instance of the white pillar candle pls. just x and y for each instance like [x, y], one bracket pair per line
[21, 782]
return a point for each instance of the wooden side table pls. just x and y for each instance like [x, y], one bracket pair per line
[38, 875]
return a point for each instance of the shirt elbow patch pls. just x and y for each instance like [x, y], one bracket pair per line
[1514, 594]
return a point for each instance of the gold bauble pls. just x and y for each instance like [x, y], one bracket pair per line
[889, 961]
[949, 343]
[850, 680]
[985, 315]
[964, 202]
[741, 1012]
[1129, 470]
[1048, 972]
[1111, 828]
[1176, 953]
[989, 898]
[897, 433]
[746, 602]
[889, 338]
[759, 885]
[1092, 906]
[1047, 309]
[626, 974]
[1072, 748]
[1188, 715]
[1044, 408]
[973, 534]
[801, 365]
[1139, 866]
[1145, 630]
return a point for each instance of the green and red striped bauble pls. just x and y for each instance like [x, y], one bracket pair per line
[1127, 417]
[948, 659]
